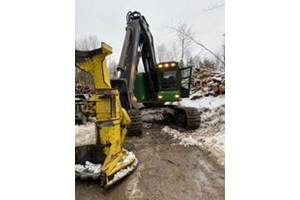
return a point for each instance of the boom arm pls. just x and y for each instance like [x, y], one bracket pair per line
[138, 42]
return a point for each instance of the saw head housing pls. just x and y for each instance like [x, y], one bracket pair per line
[110, 124]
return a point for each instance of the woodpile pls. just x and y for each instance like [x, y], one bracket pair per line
[83, 88]
[208, 82]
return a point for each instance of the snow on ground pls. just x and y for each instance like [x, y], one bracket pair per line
[209, 102]
[181, 136]
[151, 115]
[210, 136]
[214, 145]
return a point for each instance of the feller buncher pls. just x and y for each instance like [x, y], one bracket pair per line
[106, 160]
[160, 85]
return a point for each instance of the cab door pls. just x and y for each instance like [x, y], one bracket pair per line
[185, 79]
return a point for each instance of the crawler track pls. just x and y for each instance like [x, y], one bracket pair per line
[187, 117]
[136, 126]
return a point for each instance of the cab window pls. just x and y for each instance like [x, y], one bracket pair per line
[168, 80]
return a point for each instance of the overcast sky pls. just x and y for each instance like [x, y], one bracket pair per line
[107, 20]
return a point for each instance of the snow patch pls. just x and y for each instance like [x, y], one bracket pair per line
[85, 134]
[213, 144]
[151, 115]
[130, 156]
[209, 102]
[181, 136]
[123, 172]
[189, 141]
[88, 168]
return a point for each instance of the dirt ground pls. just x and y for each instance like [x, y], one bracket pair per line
[166, 171]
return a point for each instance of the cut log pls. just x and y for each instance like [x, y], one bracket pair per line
[215, 88]
[222, 89]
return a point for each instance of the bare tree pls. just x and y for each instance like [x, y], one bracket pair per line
[185, 42]
[161, 52]
[197, 61]
[218, 65]
[223, 48]
[175, 52]
[207, 63]
[90, 43]
[86, 43]
[188, 56]
[190, 36]
[113, 69]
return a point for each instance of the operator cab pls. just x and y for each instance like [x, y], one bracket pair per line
[168, 74]
[172, 83]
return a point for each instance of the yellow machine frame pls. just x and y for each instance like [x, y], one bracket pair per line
[111, 118]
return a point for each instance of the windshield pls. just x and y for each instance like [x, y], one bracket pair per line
[168, 80]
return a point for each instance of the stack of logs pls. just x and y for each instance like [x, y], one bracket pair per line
[207, 81]
[83, 88]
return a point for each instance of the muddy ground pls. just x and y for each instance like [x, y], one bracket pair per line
[166, 171]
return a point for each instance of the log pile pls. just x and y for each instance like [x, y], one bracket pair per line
[83, 88]
[208, 82]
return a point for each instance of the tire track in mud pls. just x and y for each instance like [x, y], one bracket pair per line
[135, 192]
[165, 172]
